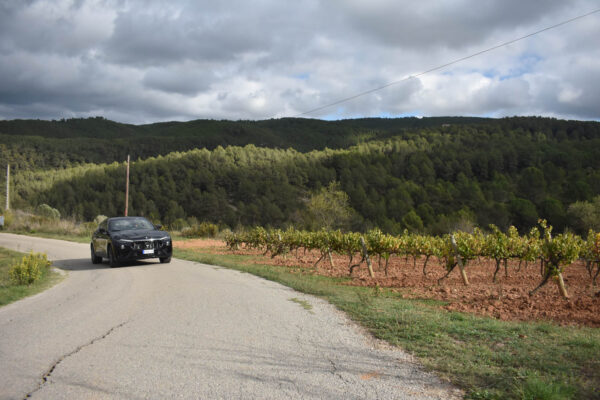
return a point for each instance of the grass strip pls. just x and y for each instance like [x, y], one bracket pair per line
[488, 358]
[53, 235]
[10, 292]
[303, 303]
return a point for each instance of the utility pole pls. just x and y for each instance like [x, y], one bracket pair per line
[8, 186]
[127, 188]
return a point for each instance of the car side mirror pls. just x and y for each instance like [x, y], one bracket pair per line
[158, 227]
[102, 231]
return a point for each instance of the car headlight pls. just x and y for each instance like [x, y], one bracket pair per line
[166, 240]
[123, 243]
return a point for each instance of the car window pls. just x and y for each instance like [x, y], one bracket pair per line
[130, 224]
[118, 225]
[142, 223]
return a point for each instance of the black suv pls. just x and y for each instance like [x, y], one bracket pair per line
[125, 239]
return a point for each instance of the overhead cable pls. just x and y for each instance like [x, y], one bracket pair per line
[346, 99]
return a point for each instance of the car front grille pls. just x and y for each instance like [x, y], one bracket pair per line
[143, 245]
[149, 244]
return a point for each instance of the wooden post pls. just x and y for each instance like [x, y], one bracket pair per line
[366, 255]
[280, 249]
[330, 258]
[561, 286]
[7, 187]
[463, 274]
[127, 188]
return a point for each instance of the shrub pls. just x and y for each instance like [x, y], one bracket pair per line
[45, 210]
[29, 223]
[29, 269]
[99, 218]
[178, 225]
[192, 221]
[8, 218]
[205, 229]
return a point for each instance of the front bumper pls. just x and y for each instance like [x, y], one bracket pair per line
[142, 249]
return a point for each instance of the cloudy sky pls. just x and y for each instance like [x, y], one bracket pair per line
[143, 61]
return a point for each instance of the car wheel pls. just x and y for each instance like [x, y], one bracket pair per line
[112, 258]
[165, 260]
[95, 258]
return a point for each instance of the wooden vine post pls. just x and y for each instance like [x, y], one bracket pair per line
[559, 278]
[366, 256]
[561, 286]
[461, 266]
[330, 258]
[280, 249]
[557, 253]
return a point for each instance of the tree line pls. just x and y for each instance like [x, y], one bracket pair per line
[432, 178]
[40, 144]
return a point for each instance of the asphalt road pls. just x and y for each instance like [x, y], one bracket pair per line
[191, 331]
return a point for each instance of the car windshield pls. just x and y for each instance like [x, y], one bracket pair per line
[130, 224]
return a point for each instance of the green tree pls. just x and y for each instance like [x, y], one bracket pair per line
[585, 215]
[524, 213]
[413, 222]
[532, 185]
[328, 208]
[554, 212]
[173, 213]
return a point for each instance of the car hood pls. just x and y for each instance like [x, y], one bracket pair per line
[140, 235]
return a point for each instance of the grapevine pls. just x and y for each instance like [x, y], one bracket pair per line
[456, 249]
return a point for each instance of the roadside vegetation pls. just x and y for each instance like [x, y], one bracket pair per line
[23, 275]
[488, 358]
[45, 221]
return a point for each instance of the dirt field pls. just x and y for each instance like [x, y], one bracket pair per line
[507, 299]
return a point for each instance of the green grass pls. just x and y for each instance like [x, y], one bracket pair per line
[51, 235]
[10, 292]
[488, 358]
[303, 303]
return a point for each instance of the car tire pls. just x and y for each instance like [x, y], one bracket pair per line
[112, 258]
[165, 260]
[95, 259]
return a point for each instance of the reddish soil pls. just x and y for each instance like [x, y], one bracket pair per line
[507, 299]
[199, 244]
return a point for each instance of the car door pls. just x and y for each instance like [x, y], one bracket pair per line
[101, 239]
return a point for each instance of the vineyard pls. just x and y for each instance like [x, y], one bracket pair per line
[479, 271]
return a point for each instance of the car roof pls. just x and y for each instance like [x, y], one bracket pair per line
[120, 218]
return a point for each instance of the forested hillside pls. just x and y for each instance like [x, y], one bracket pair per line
[424, 175]
[31, 144]
[34, 144]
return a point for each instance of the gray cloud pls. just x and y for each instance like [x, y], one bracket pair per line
[151, 60]
[455, 24]
[186, 78]
[57, 27]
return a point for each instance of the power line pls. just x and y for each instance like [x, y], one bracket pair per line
[346, 99]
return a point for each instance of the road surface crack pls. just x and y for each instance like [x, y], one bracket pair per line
[335, 371]
[48, 373]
